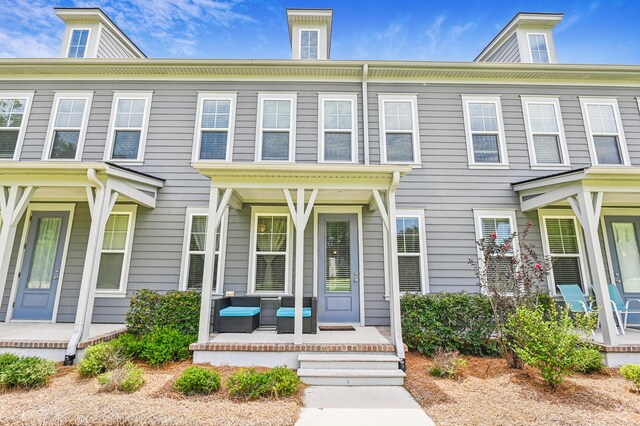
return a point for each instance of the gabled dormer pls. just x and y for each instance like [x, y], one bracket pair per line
[527, 38]
[310, 33]
[89, 33]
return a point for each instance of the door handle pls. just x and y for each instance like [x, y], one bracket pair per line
[355, 277]
[57, 275]
[618, 280]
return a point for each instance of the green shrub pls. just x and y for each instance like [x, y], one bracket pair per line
[128, 344]
[250, 384]
[447, 363]
[26, 372]
[6, 360]
[99, 358]
[165, 344]
[175, 309]
[631, 372]
[282, 382]
[196, 380]
[588, 360]
[126, 378]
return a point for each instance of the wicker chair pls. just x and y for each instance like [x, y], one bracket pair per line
[285, 324]
[236, 324]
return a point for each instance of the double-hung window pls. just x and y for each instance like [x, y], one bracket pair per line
[502, 223]
[270, 250]
[411, 251]
[193, 253]
[309, 44]
[128, 126]
[14, 114]
[276, 127]
[116, 251]
[78, 43]
[538, 48]
[215, 125]
[607, 143]
[68, 126]
[486, 143]
[562, 242]
[545, 132]
[337, 134]
[399, 136]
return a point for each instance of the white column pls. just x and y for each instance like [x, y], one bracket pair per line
[394, 287]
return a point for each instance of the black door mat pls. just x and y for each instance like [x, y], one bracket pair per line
[336, 328]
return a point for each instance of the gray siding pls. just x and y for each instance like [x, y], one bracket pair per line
[110, 47]
[508, 52]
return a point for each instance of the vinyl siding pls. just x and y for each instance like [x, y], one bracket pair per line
[508, 52]
[110, 47]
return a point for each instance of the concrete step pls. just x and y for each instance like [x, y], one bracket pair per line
[353, 377]
[349, 361]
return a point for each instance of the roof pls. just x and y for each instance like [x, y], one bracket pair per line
[553, 175]
[310, 16]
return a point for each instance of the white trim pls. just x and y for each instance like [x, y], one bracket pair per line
[340, 210]
[222, 251]
[564, 152]
[48, 145]
[28, 97]
[502, 141]
[257, 211]
[622, 141]
[424, 268]
[131, 211]
[86, 47]
[42, 207]
[117, 97]
[479, 214]
[353, 99]
[315, 30]
[292, 97]
[197, 136]
[546, 45]
[544, 214]
[415, 132]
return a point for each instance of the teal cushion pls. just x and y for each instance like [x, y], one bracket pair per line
[288, 312]
[239, 311]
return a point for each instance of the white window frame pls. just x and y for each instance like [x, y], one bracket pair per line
[479, 214]
[315, 30]
[544, 214]
[415, 132]
[256, 212]
[221, 252]
[59, 96]
[117, 97]
[502, 140]
[293, 97]
[622, 141]
[351, 97]
[546, 43]
[424, 268]
[564, 152]
[28, 97]
[86, 48]
[131, 211]
[232, 97]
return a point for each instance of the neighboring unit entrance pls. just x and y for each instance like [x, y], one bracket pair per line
[338, 257]
[40, 273]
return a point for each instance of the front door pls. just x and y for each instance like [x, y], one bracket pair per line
[623, 235]
[338, 257]
[40, 271]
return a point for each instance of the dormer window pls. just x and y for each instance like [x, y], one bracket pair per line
[538, 46]
[309, 44]
[78, 43]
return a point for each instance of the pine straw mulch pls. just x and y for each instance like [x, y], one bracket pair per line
[489, 393]
[69, 400]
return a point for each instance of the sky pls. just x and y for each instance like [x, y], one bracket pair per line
[592, 31]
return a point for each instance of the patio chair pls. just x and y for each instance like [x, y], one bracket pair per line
[236, 314]
[620, 308]
[574, 298]
[285, 315]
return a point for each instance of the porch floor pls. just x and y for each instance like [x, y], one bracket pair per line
[359, 336]
[50, 333]
[630, 339]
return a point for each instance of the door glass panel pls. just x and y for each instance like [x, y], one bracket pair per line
[338, 257]
[626, 244]
[44, 253]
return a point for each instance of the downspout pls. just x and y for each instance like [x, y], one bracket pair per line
[394, 290]
[78, 327]
[365, 112]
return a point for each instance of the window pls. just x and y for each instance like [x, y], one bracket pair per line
[192, 271]
[276, 127]
[486, 144]
[309, 44]
[14, 114]
[214, 127]
[116, 251]
[128, 126]
[270, 250]
[607, 143]
[563, 243]
[538, 46]
[503, 224]
[68, 126]
[400, 142]
[411, 251]
[545, 132]
[337, 138]
[78, 43]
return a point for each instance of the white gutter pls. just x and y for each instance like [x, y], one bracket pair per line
[365, 112]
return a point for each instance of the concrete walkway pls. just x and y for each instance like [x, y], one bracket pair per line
[361, 405]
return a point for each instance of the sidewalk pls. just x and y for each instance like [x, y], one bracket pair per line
[361, 405]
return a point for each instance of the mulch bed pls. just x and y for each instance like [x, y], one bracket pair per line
[490, 393]
[70, 400]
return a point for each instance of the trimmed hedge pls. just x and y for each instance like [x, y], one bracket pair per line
[176, 309]
[250, 384]
[26, 372]
[197, 380]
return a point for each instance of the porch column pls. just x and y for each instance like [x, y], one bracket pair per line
[13, 203]
[586, 206]
[217, 208]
